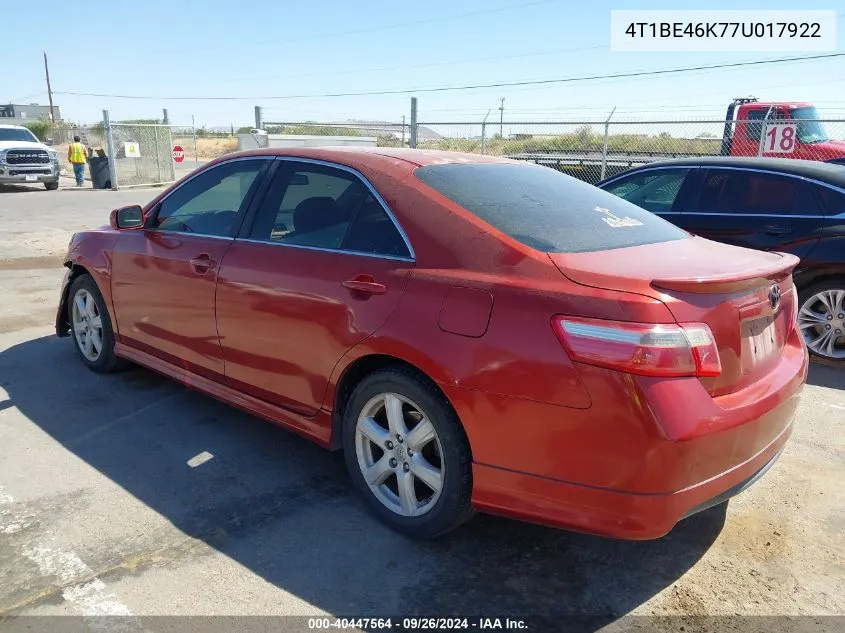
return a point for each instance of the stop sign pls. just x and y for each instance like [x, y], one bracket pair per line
[178, 153]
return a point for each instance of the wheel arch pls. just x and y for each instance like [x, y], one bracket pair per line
[358, 370]
[75, 271]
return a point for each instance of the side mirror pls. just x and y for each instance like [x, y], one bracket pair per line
[127, 218]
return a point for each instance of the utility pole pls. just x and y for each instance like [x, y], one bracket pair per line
[49, 93]
[403, 130]
[501, 118]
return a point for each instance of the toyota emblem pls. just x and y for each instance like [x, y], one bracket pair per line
[774, 296]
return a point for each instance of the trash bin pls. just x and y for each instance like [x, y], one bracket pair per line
[98, 166]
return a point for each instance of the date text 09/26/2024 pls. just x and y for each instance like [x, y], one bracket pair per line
[418, 624]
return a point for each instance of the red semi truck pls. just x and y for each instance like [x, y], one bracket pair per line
[778, 129]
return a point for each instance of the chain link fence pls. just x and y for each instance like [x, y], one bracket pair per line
[145, 154]
[592, 150]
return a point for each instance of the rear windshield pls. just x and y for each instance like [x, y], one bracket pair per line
[545, 209]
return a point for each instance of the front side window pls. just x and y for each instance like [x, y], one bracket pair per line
[209, 204]
[545, 209]
[324, 207]
[741, 192]
[810, 129]
[654, 190]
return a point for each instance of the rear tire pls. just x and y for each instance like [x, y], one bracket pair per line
[402, 432]
[91, 328]
[821, 319]
[51, 186]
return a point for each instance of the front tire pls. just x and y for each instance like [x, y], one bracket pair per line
[821, 319]
[91, 328]
[407, 454]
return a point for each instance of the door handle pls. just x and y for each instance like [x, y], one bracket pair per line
[202, 263]
[776, 230]
[365, 284]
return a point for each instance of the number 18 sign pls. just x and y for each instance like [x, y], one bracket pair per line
[779, 138]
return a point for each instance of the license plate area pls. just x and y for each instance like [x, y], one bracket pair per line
[760, 341]
[31, 177]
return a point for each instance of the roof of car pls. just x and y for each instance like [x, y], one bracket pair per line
[418, 157]
[831, 173]
[12, 127]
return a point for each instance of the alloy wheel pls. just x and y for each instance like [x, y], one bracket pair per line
[399, 454]
[821, 320]
[87, 325]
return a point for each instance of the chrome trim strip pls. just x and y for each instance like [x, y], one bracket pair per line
[336, 251]
[190, 234]
[756, 215]
[368, 184]
[730, 168]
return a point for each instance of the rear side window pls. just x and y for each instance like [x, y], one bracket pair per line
[832, 200]
[746, 192]
[545, 209]
[655, 190]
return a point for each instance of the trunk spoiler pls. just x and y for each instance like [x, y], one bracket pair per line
[731, 282]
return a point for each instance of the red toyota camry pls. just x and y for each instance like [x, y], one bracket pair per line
[476, 334]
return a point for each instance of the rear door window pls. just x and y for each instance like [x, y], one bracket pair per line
[546, 210]
[831, 200]
[655, 190]
[750, 193]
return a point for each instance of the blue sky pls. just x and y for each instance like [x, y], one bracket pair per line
[264, 48]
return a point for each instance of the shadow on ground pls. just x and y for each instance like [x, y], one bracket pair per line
[826, 375]
[284, 508]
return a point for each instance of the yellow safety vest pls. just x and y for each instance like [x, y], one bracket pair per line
[77, 153]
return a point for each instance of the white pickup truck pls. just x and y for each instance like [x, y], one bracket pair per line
[23, 158]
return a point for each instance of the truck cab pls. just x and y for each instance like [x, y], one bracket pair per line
[24, 159]
[745, 126]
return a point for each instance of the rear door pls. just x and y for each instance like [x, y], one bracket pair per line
[320, 268]
[756, 209]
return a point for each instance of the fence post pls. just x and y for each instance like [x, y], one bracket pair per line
[484, 132]
[413, 134]
[258, 118]
[604, 148]
[158, 153]
[194, 132]
[110, 150]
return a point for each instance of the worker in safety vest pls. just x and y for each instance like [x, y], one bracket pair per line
[77, 155]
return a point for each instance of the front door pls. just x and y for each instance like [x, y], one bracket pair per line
[321, 268]
[164, 276]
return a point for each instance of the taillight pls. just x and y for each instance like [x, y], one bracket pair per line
[649, 349]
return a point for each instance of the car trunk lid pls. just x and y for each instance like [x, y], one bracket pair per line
[745, 297]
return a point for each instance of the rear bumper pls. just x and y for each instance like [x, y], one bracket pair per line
[646, 454]
[605, 512]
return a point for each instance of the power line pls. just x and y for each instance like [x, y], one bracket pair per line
[417, 66]
[503, 84]
[371, 29]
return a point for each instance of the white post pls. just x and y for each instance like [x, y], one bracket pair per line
[604, 149]
[110, 150]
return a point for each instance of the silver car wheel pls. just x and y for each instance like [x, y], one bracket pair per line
[399, 454]
[87, 325]
[821, 320]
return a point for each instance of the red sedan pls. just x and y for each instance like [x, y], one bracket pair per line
[476, 334]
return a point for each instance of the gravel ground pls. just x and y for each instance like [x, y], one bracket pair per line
[101, 514]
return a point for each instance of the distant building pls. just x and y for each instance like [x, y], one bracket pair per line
[31, 112]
